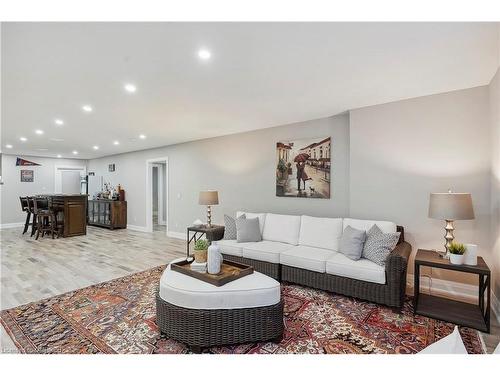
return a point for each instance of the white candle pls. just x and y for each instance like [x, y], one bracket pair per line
[471, 254]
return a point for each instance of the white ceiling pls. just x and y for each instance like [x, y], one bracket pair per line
[260, 75]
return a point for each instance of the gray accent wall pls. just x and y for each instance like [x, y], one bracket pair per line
[402, 151]
[241, 167]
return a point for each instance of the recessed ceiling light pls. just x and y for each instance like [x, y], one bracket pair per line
[130, 88]
[42, 149]
[59, 156]
[87, 108]
[8, 146]
[59, 122]
[39, 132]
[142, 136]
[204, 54]
[57, 139]
[96, 147]
[75, 152]
[116, 143]
[23, 139]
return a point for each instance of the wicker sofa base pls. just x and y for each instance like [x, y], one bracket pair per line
[373, 292]
[204, 328]
[267, 268]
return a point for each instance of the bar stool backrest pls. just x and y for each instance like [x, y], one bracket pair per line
[24, 204]
[40, 204]
[31, 204]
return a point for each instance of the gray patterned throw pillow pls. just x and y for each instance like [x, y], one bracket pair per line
[230, 227]
[378, 245]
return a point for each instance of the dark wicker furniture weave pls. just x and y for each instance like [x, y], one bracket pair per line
[204, 328]
[391, 293]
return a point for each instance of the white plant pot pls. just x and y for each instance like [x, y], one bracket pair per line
[456, 259]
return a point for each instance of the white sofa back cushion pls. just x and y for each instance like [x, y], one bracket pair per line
[385, 226]
[282, 228]
[322, 232]
[251, 215]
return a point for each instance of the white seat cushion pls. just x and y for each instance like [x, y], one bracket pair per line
[254, 290]
[362, 269]
[282, 228]
[251, 215]
[322, 232]
[231, 247]
[267, 251]
[385, 226]
[306, 257]
[451, 344]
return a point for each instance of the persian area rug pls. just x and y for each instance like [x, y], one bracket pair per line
[118, 316]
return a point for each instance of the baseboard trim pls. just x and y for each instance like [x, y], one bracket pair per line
[11, 225]
[137, 228]
[455, 289]
[179, 235]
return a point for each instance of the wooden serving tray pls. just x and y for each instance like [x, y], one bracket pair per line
[230, 271]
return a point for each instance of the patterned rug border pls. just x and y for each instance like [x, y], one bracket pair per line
[112, 317]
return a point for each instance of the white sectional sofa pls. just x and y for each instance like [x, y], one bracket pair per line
[305, 250]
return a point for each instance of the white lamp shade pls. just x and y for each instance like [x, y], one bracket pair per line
[451, 206]
[208, 198]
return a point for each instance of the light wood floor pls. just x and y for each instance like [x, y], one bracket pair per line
[32, 270]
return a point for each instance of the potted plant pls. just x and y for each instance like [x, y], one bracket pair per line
[457, 251]
[200, 251]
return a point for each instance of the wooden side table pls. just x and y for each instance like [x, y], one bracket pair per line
[213, 233]
[466, 314]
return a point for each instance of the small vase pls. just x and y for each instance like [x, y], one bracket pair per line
[200, 256]
[214, 259]
[457, 259]
[471, 255]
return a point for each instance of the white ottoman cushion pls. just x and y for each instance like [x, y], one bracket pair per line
[255, 290]
[451, 344]
[306, 257]
[362, 269]
[267, 251]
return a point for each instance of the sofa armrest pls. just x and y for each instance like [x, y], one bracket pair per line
[397, 261]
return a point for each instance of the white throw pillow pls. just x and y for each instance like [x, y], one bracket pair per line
[385, 226]
[451, 344]
[282, 228]
[251, 215]
[322, 232]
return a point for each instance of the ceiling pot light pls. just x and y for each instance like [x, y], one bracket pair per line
[57, 139]
[59, 156]
[130, 88]
[8, 146]
[39, 132]
[75, 152]
[116, 143]
[59, 122]
[87, 108]
[142, 136]
[204, 54]
[23, 139]
[96, 147]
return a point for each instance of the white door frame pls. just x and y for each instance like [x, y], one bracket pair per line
[58, 175]
[161, 199]
[149, 192]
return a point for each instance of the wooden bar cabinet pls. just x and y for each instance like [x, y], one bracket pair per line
[107, 213]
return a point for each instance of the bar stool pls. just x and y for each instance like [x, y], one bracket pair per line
[46, 220]
[25, 208]
[31, 209]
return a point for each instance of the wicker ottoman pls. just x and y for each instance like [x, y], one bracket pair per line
[201, 315]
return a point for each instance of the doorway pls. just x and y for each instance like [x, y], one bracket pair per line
[157, 195]
[68, 179]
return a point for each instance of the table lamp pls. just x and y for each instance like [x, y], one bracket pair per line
[449, 207]
[209, 198]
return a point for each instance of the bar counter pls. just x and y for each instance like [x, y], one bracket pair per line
[71, 209]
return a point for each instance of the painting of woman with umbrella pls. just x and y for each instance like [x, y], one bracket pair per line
[312, 164]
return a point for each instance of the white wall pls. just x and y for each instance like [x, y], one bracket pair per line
[13, 188]
[495, 174]
[241, 167]
[402, 151]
